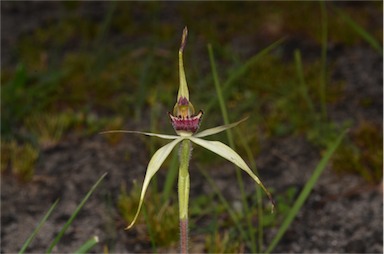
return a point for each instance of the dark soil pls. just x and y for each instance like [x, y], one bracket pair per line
[344, 213]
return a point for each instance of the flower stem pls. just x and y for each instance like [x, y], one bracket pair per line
[184, 235]
[184, 156]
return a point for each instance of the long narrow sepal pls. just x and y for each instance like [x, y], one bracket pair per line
[164, 136]
[183, 88]
[153, 166]
[229, 154]
[218, 129]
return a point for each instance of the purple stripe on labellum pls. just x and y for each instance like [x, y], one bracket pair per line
[187, 124]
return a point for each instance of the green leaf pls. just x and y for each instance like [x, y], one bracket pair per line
[227, 153]
[217, 129]
[153, 166]
[164, 136]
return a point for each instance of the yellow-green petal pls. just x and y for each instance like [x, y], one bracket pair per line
[229, 154]
[164, 136]
[153, 166]
[217, 129]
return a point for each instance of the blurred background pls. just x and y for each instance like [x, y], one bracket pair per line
[302, 71]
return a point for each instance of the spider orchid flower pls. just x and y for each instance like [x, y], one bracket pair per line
[186, 123]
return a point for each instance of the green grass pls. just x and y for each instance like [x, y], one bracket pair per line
[361, 154]
[38, 227]
[73, 216]
[323, 59]
[84, 247]
[11, 152]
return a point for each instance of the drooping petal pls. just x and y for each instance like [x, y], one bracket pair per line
[153, 166]
[164, 136]
[217, 129]
[227, 153]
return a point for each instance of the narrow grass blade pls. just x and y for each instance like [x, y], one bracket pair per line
[236, 74]
[87, 245]
[73, 216]
[153, 166]
[37, 229]
[99, 46]
[105, 26]
[150, 230]
[305, 192]
[361, 31]
[324, 46]
[224, 113]
[170, 178]
[259, 232]
[231, 212]
[219, 92]
[244, 67]
[303, 85]
[144, 81]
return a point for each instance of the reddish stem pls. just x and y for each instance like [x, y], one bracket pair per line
[184, 235]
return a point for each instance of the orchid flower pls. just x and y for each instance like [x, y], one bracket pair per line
[186, 123]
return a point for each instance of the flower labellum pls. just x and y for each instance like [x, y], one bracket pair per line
[183, 120]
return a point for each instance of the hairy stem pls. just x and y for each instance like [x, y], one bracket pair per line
[184, 235]
[184, 156]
